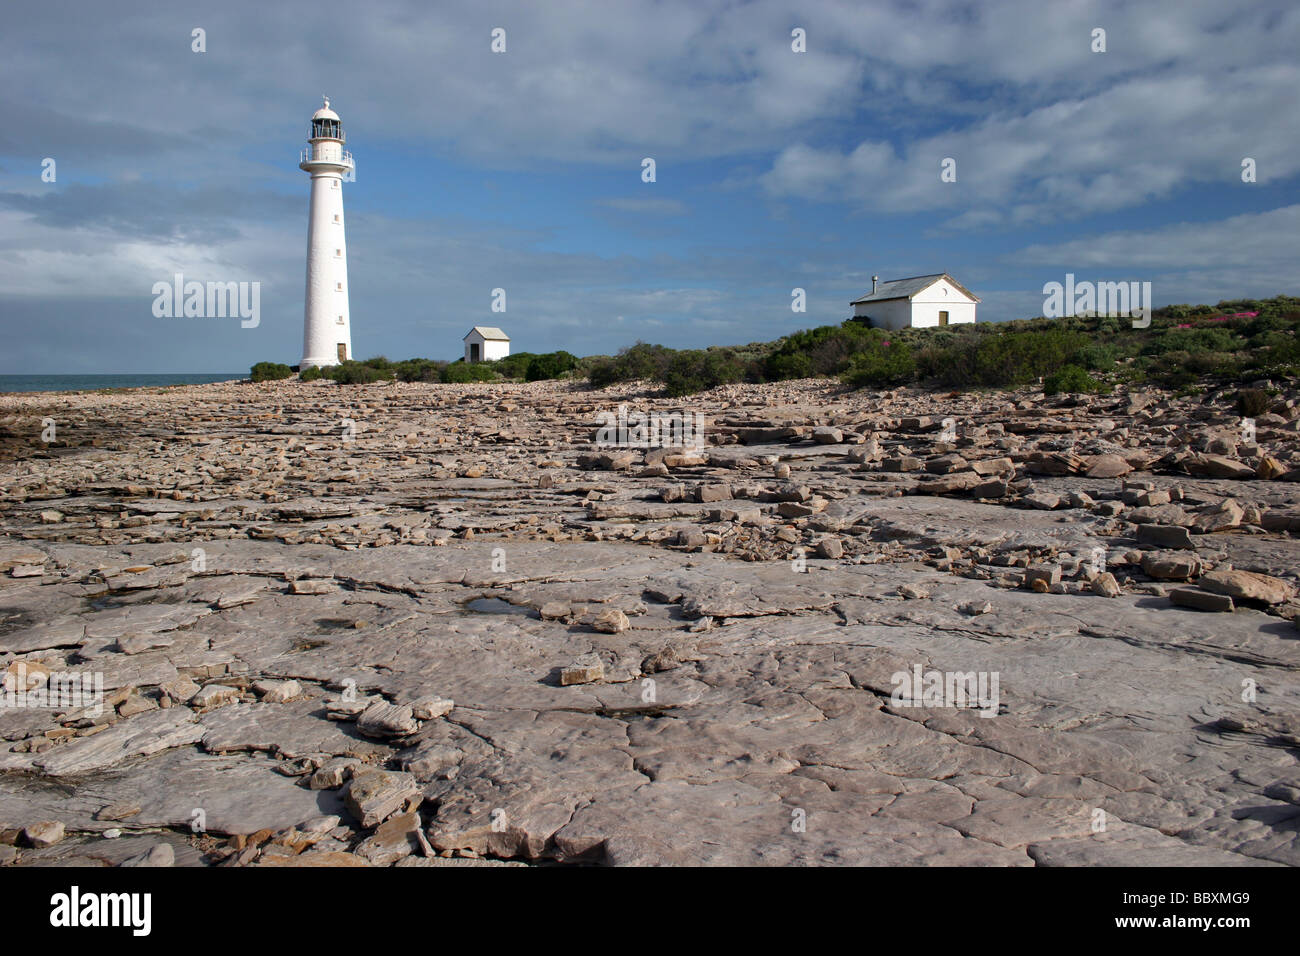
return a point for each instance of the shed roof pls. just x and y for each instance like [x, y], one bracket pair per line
[491, 333]
[909, 288]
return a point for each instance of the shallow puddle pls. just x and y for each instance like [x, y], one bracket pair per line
[495, 605]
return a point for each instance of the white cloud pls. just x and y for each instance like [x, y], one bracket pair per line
[1068, 159]
[1251, 240]
[1042, 130]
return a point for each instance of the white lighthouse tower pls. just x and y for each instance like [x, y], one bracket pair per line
[327, 325]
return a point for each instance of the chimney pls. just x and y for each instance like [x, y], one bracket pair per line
[874, 280]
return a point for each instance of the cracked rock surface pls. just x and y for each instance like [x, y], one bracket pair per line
[464, 633]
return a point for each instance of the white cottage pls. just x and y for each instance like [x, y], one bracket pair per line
[486, 344]
[920, 302]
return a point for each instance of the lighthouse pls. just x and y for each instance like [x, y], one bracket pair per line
[327, 326]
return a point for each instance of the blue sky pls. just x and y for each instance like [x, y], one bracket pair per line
[522, 170]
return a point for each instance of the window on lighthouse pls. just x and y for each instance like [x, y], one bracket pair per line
[336, 217]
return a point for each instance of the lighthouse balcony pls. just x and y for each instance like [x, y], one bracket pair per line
[312, 154]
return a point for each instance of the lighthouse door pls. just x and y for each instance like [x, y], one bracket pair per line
[343, 352]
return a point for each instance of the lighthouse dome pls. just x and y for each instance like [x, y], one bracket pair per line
[325, 113]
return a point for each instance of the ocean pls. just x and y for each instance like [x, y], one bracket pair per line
[81, 383]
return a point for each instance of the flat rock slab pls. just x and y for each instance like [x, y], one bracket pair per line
[142, 735]
[742, 657]
[954, 522]
[289, 730]
[235, 794]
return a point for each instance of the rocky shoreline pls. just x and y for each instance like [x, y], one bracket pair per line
[414, 624]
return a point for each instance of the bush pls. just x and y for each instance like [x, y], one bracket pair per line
[1096, 358]
[694, 371]
[269, 372]
[826, 350]
[512, 366]
[641, 362]
[358, 373]
[1281, 351]
[992, 357]
[779, 367]
[1193, 341]
[1072, 378]
[419, 370]
[310, 374]
[460, 372]
[1252, 402]
[883, 363]
[550, 365]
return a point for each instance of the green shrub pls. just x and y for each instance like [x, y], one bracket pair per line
[825, 350]
[269, 372]
[883, 362]
[310, 374]
[419, 370]
[357, 373]
[1252, 402]
[513, 366]
[641, 362]
[697, 370]
[781, 366]
[1193, 341]
[550, 365]
[1071, 378]
[1281, 349]
[1096, 358]
[992, 357]
[460, 372]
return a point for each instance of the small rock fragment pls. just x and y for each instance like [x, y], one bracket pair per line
[1247, 586]
[382, 719]
[1105, 585]
[333, 773]
[1200, 600]
[830, 547]
[555, 610]
[432, 707]
[375, 795]
[611, 621]
[587, 669]
[160, 854]
[213, 696]
[277, 691]
[43, 834]
[1043, 578]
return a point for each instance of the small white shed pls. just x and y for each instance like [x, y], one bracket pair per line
[486, 344]
[917, 303]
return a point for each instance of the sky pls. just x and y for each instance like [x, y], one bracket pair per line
[775, 169]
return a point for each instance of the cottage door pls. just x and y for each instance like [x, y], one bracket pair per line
[943, 318]
[474, 351]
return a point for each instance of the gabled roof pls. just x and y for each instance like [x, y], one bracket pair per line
[909, 288]
[488, 332]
